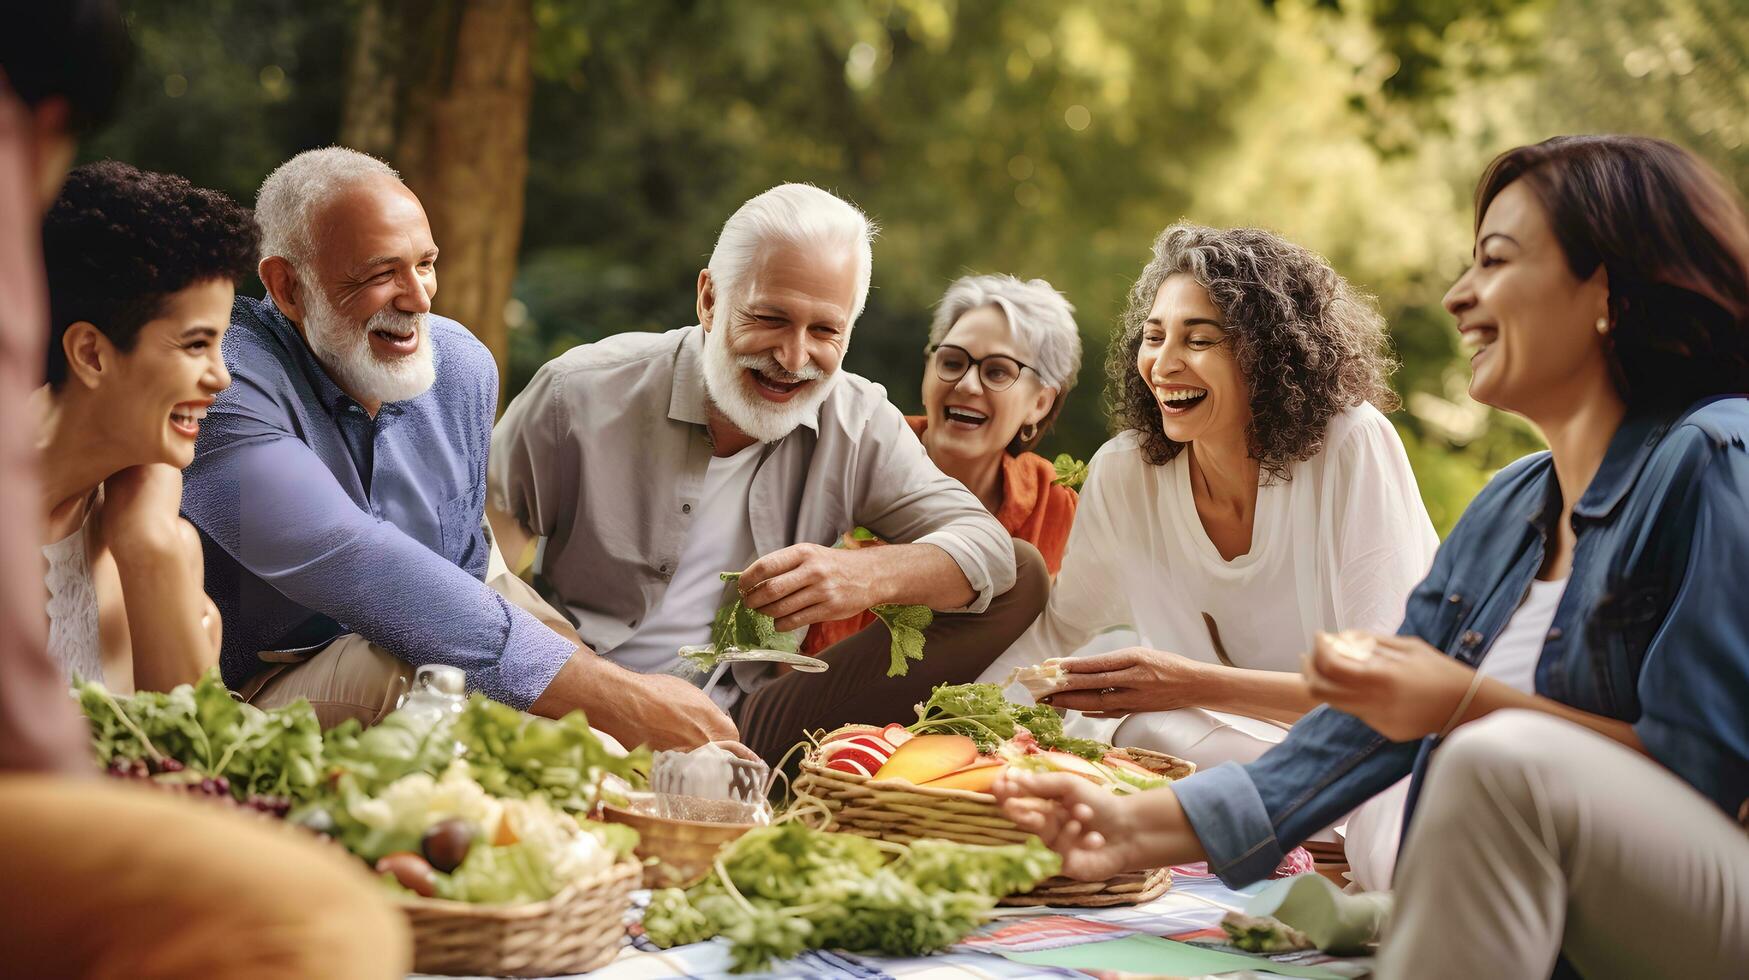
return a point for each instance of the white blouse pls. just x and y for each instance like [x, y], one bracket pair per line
[1339, 545]
[74, 642]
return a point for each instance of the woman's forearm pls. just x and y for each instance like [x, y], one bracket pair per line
[1493, 695]
[170, 626]
[1158, 832]
[1275, 695]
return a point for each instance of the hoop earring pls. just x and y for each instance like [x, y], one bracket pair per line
[1029, 432]
[1603, 326]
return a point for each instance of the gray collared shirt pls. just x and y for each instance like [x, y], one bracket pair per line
[605, 451]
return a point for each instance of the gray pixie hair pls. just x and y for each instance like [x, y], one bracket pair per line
[800, 215]
[1039, 316]
[298, 187]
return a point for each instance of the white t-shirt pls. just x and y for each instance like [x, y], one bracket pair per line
[1338, 546]
[721, 540]
[1375, 832]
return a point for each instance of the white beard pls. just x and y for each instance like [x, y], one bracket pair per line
[344, 350]
[726, 383]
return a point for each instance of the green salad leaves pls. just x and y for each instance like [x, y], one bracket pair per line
[739, 628]
[519, 755]
[905, 624]
[200, 725]
[981, 712]
[1071, 472]
[780, 890]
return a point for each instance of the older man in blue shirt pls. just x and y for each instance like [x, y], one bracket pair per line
[339, 484]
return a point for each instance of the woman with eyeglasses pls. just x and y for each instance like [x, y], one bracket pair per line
[1002, 357]
[1254, 495]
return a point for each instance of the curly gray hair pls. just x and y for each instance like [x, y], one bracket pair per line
[291, 195]
[1308, 343]
[1042, 320]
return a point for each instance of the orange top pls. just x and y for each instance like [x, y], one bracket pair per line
[1034, 509]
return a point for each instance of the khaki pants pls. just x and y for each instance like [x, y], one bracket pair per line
[857, 689]
[1536, 838]
[350, 678]
[354, 678]
[104, 879]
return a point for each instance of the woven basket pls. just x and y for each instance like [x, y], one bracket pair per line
[575, 931]
[899, 811]
[679, 852]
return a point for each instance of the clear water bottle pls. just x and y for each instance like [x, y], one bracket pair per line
[437, 697]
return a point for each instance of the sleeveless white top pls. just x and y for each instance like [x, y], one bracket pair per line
[73, 637]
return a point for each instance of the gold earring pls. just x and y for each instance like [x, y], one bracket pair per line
[1603, 326]
[1027, 432]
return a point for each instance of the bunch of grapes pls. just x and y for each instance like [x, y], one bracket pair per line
[216, 788]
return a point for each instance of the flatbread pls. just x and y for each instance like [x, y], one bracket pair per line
[1040, 680]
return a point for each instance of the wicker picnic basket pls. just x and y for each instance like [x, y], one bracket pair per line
[575, 931]
[902, 812]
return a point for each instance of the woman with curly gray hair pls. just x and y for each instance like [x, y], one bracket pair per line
[1254, 495]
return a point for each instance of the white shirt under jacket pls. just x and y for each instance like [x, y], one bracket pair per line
[1338, 545]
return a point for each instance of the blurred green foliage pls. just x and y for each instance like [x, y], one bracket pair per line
[1028, 136]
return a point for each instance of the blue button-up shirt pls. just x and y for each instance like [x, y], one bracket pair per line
[1653, 629]
[319, 520]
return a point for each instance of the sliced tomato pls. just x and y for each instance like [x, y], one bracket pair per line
[847, 764]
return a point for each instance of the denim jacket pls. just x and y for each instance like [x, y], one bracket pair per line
[1653, 629]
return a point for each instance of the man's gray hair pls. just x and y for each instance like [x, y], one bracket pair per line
[799, 215]
[1042, 320]
[296, 190]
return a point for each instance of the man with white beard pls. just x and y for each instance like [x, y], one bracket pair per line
[339, 484]
[650, 463]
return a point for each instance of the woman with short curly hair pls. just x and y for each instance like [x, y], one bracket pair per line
[1253, 495]
[142, 270]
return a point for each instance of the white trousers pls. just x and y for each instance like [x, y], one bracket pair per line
[1536, 837]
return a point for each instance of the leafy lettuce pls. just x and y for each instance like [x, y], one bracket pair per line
[786, 888]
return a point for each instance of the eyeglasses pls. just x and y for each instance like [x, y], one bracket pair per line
[998, 372]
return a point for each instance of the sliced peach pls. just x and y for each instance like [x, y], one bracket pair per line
[977, 778]
[929, 757]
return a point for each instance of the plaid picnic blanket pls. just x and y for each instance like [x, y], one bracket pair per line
[1190, 910]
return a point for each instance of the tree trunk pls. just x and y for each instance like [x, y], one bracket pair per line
[441, 89]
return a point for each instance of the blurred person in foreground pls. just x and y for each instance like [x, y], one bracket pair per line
[122, 881]
[339, 484]
[651, 463]
[1254, 496]
[142, 270]
[1581, 641]
[1001, 359]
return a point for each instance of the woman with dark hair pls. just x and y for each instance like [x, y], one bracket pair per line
[142, 268]
[1254, 495]
[1583, 629]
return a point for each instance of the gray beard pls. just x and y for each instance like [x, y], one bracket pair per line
[726, 385]
[344, 350]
